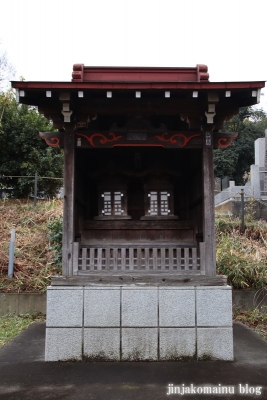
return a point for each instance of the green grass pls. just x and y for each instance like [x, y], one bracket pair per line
[11, 325]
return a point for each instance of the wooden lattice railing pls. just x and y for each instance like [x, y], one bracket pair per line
[136, 258]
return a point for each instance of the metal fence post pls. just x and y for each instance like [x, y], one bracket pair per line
[35, 188]
[11, 254]
[242, 212]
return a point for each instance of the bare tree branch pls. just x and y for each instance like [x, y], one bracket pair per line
[7, 71]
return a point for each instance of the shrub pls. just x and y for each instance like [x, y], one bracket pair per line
[55, 226]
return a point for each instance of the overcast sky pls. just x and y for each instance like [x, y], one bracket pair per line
[43, 39]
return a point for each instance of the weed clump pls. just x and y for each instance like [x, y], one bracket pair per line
[34, 262]
[55, 226]
[254, 319]
[242, 257]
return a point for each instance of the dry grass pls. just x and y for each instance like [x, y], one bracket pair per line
[243, 258]
[253, 242]
[33, 259]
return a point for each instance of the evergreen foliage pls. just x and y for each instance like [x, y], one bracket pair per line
[55, 227]
[23, 152]
[234, 160]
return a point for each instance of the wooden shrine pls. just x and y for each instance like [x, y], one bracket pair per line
[138, 210]
[138, 148]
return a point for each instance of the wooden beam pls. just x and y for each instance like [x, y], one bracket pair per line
[208, 205]
[138, 278]
[68, 210]
[128, 224]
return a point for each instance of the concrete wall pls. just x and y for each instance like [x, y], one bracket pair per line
[233, 207]
[22, 303]
[233, 192]
[249, 299]
[133, 323]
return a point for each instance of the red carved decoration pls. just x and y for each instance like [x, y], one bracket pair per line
[137, 145]
[50, 141]
[225, 142]
[173, 139]
[103, 139]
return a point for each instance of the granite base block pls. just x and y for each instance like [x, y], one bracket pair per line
[139, 344]
[63, 344]
[215, 344]
[177, 307]
[102, 307]
[133, 323]
[102, 344]
[177, 344]
[214, 306]
[139, 307]
[64, 307]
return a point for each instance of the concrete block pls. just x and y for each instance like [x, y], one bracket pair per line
[140, 307]
[139, 344]
[214, 306]
[102, 307]
[177, 343]
[255, 179]
[177, 307]
[63, 344]
[102, 344]
[259, 146]
[215, 344]
[64, 307]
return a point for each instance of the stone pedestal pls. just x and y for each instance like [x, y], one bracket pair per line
[133, 323]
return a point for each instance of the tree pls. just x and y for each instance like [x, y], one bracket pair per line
[7, 71]
[23, 152]
[234, 160]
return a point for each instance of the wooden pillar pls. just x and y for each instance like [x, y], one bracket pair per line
[68, 210]
[208, 205]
